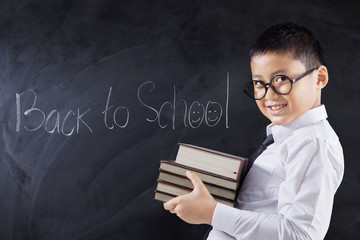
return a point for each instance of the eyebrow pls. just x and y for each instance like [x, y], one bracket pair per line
[281, 70]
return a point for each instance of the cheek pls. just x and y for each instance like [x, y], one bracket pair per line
[302, 97]
[262, 107]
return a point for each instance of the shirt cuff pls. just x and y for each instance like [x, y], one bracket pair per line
[224, 218]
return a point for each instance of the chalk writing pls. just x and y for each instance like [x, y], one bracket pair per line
[107, 108]
[192, 115]
[46, 120]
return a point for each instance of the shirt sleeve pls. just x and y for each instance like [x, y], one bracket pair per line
[314, 170]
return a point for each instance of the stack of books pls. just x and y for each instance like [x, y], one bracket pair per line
[220, 172]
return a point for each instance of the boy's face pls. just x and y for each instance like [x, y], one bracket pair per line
[305, 93]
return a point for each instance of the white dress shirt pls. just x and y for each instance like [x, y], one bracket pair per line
[288, 192]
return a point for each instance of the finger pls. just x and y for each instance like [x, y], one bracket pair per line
[171, 204]
[196, 181]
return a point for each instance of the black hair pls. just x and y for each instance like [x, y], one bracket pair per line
[290, 38]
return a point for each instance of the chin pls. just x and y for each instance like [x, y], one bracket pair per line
[279, 120]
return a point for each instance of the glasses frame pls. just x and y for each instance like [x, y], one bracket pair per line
[292, 81]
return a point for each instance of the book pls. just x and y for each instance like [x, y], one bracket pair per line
[185, 182]
[165, 191]
[220, 172]
[212, 161]
[180, 170]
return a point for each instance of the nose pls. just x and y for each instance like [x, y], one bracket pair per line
[271, 94]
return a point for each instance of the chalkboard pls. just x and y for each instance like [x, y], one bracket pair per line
[94, 94]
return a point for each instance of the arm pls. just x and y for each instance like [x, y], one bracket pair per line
[313, 173]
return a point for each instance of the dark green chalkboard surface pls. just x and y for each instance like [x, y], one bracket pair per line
[93, 94]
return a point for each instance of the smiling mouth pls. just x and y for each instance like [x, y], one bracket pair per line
[277, 107]
[195, 121]
[213, 120]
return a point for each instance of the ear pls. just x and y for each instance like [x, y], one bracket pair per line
[322, 77]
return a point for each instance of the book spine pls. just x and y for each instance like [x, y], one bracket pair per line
[185, 182]
[206, 177]
[212, 151]
[164, 197]
[186, 190]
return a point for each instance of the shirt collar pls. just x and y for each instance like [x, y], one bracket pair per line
[282, 132]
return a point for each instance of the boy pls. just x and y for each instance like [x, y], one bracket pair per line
[288, 192]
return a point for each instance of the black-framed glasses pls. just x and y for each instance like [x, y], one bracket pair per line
[281, 84]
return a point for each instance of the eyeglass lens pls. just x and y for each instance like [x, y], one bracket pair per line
[282, 85]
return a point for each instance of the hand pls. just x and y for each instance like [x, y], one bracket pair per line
[196, 207]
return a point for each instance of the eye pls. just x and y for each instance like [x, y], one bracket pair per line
[280, 79]
[258, 84]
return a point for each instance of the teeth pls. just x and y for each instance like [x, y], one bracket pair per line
[277, 107]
